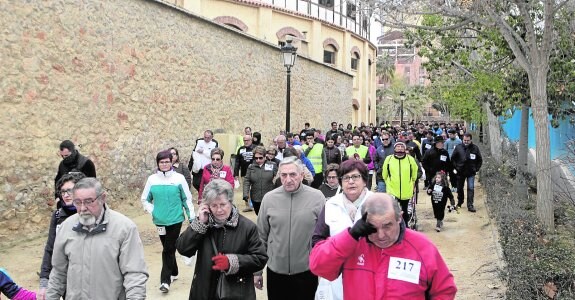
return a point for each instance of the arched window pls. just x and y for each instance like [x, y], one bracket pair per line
[329, 54]
[330, 48]
[354, 61]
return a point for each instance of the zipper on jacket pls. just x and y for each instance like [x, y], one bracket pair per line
[289, 235]
[400, 178]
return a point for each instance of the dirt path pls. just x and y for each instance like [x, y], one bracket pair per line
[467, 243]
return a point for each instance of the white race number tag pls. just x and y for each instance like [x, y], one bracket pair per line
[242, 151]
[427, 146]
[438, 188]
[443, 157]
[161, 230]
[472, 156]
[404, 269]
[223, 174]
[268, 167]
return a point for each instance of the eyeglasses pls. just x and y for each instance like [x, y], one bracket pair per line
[331, 177]
[216, 159]
[271, 153]
[68, 191]
[85, 202]
[385, 139]
[258, 157]
[354, 177]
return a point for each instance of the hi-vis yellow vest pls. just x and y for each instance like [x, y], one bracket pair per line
[315, 156]
[362, 151]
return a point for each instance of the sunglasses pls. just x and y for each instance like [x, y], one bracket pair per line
[258, 157]
[216, 159]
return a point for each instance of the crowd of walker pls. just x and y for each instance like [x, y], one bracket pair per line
[323, 231]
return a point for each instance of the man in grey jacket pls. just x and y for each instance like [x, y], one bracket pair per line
[286, 222]
[98, 253]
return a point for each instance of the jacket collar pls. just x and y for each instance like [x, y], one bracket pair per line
[101, 225]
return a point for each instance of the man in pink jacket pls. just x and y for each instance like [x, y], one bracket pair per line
[381, 259]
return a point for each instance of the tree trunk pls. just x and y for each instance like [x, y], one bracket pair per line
[538, 92]
[493, 134]
[523, 149]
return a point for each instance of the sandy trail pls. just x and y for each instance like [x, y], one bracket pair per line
[467, 243]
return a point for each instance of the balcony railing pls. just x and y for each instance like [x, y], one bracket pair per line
[335, 15]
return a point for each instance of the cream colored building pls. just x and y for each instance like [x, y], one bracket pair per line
[330, 31]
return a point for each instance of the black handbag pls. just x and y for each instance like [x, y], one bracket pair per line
[233, 287]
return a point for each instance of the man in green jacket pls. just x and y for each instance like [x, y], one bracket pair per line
[399, 171]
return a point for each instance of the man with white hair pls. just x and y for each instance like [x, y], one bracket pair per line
[286, 221]
[98, 253]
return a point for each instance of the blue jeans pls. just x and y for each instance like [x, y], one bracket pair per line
[381, 188]
[470, 180]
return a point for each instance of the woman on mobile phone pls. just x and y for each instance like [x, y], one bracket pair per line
[238, 252]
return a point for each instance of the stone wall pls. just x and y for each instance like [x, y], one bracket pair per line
[124, 79]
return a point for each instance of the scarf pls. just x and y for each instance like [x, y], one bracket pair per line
[351, 207]
[215, 171]
[231, 221]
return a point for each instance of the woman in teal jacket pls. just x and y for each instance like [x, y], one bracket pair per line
[167, 198]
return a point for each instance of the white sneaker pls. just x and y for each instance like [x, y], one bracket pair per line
[174, 278]
[164, 287]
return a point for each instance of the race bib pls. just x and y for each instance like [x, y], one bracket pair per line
[242, 151]
[404, 269]
[268, 167]
[438, 188]
[223, 174]
[472, 156]
[443, 157]
[161, 230]
[427, 146]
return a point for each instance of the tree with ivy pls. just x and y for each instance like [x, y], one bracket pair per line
[529, 30]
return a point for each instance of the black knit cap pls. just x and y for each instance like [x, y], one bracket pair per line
[67, 144]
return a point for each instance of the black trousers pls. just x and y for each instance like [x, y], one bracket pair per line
[256, 206]
[406, 216]
[439, 208]
[299, 286]
[317, 180]
[169, 265]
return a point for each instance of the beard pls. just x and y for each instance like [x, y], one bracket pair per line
[87, 219]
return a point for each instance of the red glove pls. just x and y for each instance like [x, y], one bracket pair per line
[221, 262]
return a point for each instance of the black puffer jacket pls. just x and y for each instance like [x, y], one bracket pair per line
[238, 237]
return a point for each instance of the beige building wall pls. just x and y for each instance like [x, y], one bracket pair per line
[270, 23]
[125, 79]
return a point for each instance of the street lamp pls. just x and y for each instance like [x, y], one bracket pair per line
[289, 55]
[402, 98]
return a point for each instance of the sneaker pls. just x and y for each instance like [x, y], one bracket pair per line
[174, 278]
[438, 229]
[247, 209]
[471, 209]
[164, 287]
